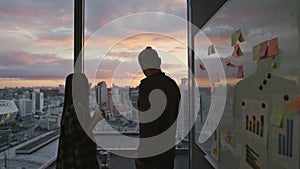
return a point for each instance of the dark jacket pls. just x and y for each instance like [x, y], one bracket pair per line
[76, 149]
[163, 122]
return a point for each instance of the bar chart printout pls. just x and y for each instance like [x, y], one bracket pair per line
[285, 141]
[252, 157]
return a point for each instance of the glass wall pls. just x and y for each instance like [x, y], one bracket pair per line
[115, 32]
[36, 54]
[246, 69]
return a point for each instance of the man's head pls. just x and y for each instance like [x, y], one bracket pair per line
[149, 60]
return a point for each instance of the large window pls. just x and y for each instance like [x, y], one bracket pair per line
[36, 55]
[115, 32]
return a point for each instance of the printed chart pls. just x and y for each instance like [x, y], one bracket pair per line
[255, 120]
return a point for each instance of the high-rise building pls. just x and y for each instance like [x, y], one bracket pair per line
[37, 101]
[101, 94]
[61, 89]
[25, 107]
[92, 99]
[134, 98]
[109, 100]
[115, 99]
[134, 94]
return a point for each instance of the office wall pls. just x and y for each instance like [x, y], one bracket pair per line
[248, 53]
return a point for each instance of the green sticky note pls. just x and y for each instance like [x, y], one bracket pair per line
[240, 36]
[233, 142]
[276, 117]
[289, 114]
[233, 39]
[256, 52]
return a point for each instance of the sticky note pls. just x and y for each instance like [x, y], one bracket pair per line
[233, 141]
[237, 36]
[225, 133]
[240, 36]
[255, 51]
[289, 114]
[273, 49]
[211, 50]
[263, 49]
[276, 117]
[233, 39]
[240, 72]
[294, 105]
[228, 137]
[237, 51]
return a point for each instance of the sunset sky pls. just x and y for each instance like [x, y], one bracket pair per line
[37, 39]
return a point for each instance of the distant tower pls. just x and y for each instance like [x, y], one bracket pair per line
[37, 101]
[101, 94]
[134, 94]
[134, 98]
[25, 107]
[61, 89]
[115, 99]
[109, 100]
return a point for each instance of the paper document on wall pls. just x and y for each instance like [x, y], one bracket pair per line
[255, 120]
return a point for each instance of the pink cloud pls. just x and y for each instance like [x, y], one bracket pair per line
[25, 58]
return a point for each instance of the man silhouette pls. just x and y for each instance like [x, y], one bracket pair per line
[155, 79]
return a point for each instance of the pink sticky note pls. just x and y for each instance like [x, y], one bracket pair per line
[273, 49]
[237, 51]
[240, 73]
[263, 49]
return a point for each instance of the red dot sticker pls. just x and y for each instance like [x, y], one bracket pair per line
[260, 87]
[263, 105]
[286, 97]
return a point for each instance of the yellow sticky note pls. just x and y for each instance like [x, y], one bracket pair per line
[256, 52]
[237, 36]
[233, 39]
[240, 36]
[276, 117]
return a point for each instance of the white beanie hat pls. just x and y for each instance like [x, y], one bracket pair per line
[149, 59]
